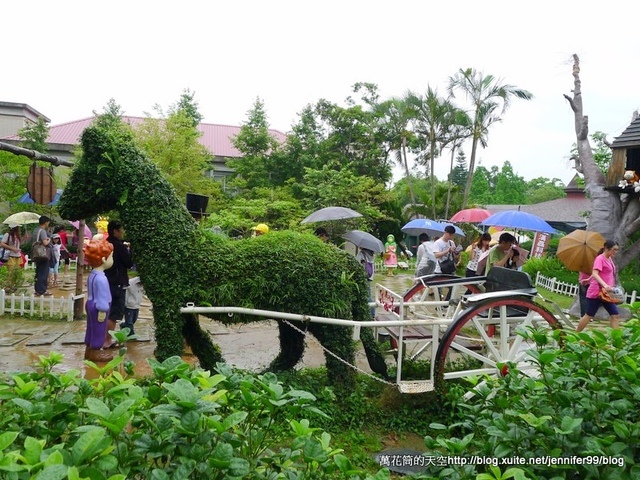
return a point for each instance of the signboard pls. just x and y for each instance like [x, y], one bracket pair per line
[41, 185]
[540, 244]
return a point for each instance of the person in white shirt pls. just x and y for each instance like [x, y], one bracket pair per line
[133, 297]
[426, 262]
[445, 248]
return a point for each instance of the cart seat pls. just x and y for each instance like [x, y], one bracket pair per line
[504, 282]
[500, 278]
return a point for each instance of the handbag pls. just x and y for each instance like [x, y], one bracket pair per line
[616, 295]
[448, 265]
[39, 253]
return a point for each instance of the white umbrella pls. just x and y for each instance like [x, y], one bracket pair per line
[364, 240]
[331, 213]
[22, 218]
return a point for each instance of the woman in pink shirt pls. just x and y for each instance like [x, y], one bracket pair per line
[602, 276]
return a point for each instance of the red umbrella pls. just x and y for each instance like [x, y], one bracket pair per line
[471, 215]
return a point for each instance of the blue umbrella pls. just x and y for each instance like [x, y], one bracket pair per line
[423, 225]
[518, 220]
[26, 198]
[458, 229]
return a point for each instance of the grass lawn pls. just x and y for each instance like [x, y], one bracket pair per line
[562, 300]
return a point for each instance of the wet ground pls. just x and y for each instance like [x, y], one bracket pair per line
[249, 346]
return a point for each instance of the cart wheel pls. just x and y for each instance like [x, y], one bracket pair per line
[421, 293]
[483, 338]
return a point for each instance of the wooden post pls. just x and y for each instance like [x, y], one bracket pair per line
[35, 155]
[78, 307]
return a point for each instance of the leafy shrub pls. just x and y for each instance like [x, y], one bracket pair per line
[12, 279]
[181, 423]
[549, 267]
[582, 407]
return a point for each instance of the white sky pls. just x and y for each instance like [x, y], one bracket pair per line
[66, 59]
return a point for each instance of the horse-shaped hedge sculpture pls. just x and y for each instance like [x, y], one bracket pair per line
[179, 262]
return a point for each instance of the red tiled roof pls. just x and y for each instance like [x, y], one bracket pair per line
[217, 138]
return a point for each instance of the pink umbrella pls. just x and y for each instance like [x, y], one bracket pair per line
[87, 233]
[471, 215]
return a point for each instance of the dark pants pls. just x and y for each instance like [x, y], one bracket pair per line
[42, 277]
[582, 295]
[117, 303]
[130, 318]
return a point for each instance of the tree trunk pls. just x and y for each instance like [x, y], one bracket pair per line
[432, 140]
[472, 166]
[446, 209]
[616, 216]
[406, 169]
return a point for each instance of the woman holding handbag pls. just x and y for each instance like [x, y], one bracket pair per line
[40, 236]
[603, 277]
[10, 246]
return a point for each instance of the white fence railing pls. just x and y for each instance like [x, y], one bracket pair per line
[403, 264]
[568, 289]
[30, 305]
[30, 265]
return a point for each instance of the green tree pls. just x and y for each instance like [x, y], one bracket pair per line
[601, 151]
[458, 129]
[489, 99]
[395, 118]
[256, 144]
[542, 189]
[433, 117]
[509, 188]
[274, 206]
[458, 175]
[14, 170]
[172, 142]
[34, 136]
[353, 137]
[481, 191]
[327, 187]
[189, 106]
[303, 149]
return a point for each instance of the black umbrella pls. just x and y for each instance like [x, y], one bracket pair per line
[364, 240]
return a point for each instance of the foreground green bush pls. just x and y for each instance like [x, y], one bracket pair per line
[578, 419]
[182, 423]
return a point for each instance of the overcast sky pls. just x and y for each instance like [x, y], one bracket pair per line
[66, 59]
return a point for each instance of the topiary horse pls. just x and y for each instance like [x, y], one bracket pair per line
[179, 262]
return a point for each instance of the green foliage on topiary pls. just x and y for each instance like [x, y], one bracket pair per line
[180, 263]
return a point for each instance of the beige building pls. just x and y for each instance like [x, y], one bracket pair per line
[15, 116]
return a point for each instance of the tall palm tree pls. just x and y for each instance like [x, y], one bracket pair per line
[457, 133]
[395, 117]
[432, 117]
[487, 95]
